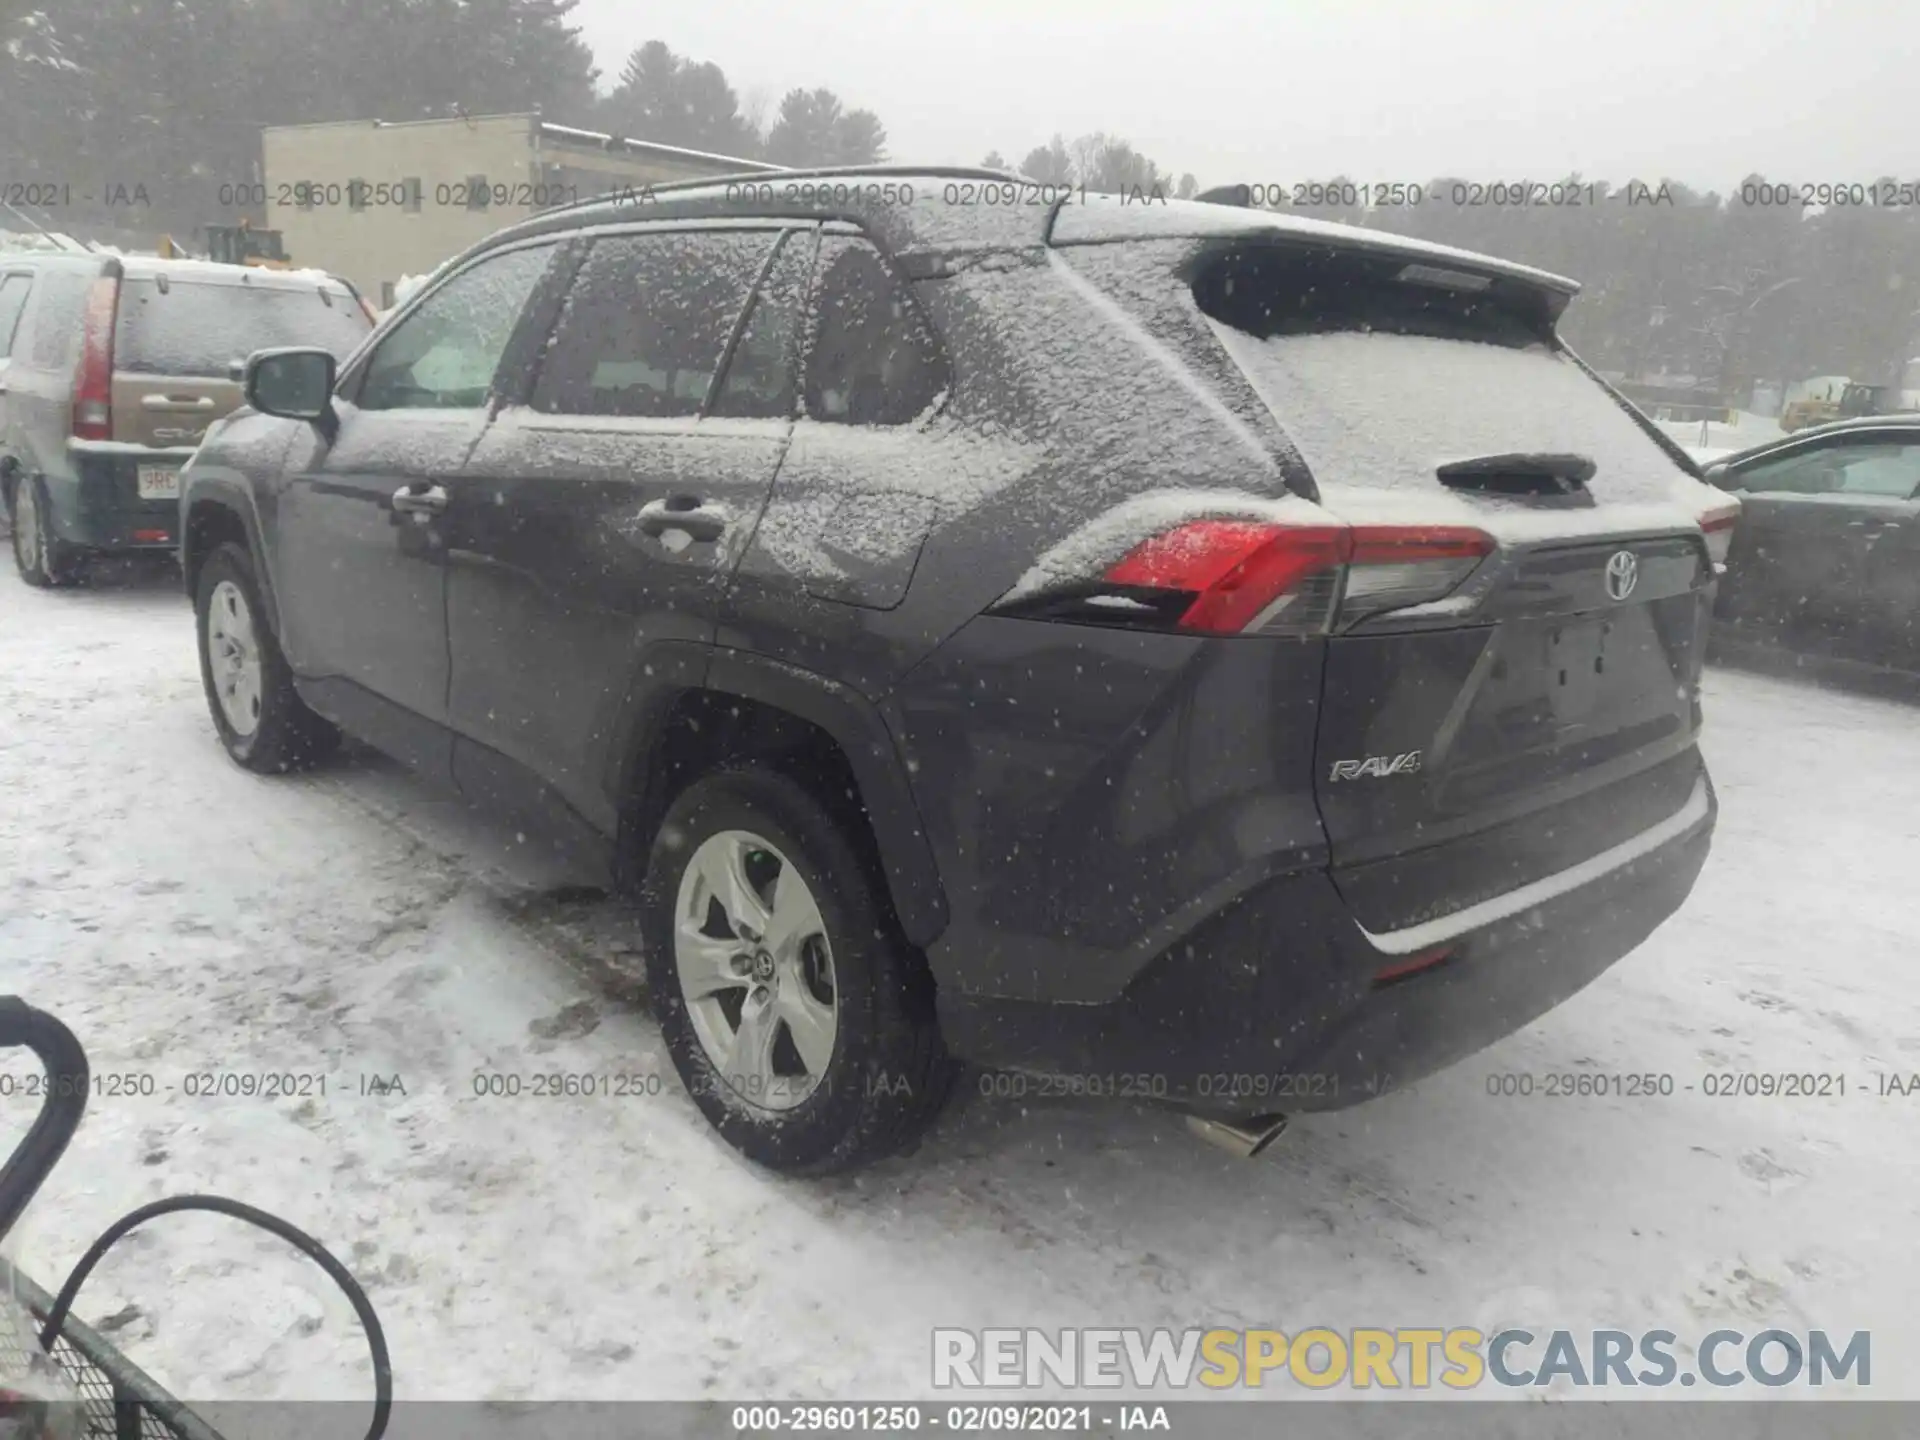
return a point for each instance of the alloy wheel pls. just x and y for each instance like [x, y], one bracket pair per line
[233, 654]
[755, 967]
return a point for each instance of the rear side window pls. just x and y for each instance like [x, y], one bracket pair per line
[195, 328]
[56, 319]
[759, 379]
[1888, 469]
[13, 299]
[643, 329]
[871, 357]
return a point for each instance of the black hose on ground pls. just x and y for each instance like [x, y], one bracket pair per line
[273, 1224]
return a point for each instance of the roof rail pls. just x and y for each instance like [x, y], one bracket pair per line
[951, 172]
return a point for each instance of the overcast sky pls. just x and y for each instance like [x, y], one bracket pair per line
[1704, 91]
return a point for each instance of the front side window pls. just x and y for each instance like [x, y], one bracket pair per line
[643, 329]
[444, 354]
[871, 357]
[1889, 469]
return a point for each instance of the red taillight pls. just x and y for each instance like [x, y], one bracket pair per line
[93, 377]
[1235, 570]
[1240, 575]
[1717, 525]
[1412, 965]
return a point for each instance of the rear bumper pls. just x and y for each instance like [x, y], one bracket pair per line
[98, 506]
[1272, 1006]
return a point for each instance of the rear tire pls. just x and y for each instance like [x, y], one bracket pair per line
[824, 943]
[263, 723]
[44, 562]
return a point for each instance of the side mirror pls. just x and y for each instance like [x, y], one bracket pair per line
[1718, 476]
[295, 384]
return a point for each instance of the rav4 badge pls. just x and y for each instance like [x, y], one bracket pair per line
[1378, 766]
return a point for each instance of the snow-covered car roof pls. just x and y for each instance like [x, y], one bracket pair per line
[140, 266]
[915, 210]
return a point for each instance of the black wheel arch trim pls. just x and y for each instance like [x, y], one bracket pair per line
[854, 723]
[225, 495]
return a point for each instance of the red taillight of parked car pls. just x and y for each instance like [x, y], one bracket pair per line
[93, 376]
[1717, 525]
[1232, 577]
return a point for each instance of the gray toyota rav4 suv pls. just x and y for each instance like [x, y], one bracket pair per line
[1176, 650]
[111, 369]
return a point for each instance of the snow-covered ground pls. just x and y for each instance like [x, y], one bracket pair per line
[185, 917]
[1708, 441]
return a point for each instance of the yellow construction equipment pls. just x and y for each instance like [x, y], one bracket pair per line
[234, 245]
[1853, 400]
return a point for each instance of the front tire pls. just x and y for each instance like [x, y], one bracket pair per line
[263, 723]
[800, 1019]
[43, 561]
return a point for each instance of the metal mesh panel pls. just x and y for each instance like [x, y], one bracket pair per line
[120, 1401]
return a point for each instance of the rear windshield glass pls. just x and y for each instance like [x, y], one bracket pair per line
[198, 329]
[1382, 371]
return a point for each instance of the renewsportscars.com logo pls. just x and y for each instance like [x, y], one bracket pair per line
[1397, 1359]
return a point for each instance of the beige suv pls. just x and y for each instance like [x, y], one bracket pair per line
[112, 369]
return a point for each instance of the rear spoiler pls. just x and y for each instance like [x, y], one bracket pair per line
[1223, 214]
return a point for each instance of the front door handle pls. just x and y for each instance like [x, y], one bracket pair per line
[420, 500]
[687, 513]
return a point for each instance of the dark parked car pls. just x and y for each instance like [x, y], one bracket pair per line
[112, 369]
[1826, 559]
[1176, 650]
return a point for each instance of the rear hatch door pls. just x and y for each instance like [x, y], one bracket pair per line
[176, 340]
[1545, 708]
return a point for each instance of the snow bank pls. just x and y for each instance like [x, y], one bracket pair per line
[1702, 437]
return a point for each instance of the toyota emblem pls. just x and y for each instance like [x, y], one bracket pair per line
[1623, 573]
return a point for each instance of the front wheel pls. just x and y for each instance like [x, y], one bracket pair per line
[263, 722]
[798, 1016]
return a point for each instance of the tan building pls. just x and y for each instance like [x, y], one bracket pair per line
[375, 201]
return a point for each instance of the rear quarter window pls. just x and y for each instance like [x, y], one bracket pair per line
[13, 300]
[195, 328]
[54, 318]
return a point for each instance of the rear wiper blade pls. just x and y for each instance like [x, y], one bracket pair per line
[1564, 476]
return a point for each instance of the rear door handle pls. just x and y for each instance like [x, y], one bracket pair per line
[686, 513]
[176, 402]
[420, 500]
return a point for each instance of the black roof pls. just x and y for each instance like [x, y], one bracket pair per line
[1902, 420]
[939, 210]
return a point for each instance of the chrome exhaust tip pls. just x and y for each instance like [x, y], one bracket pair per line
[1244, 1138]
